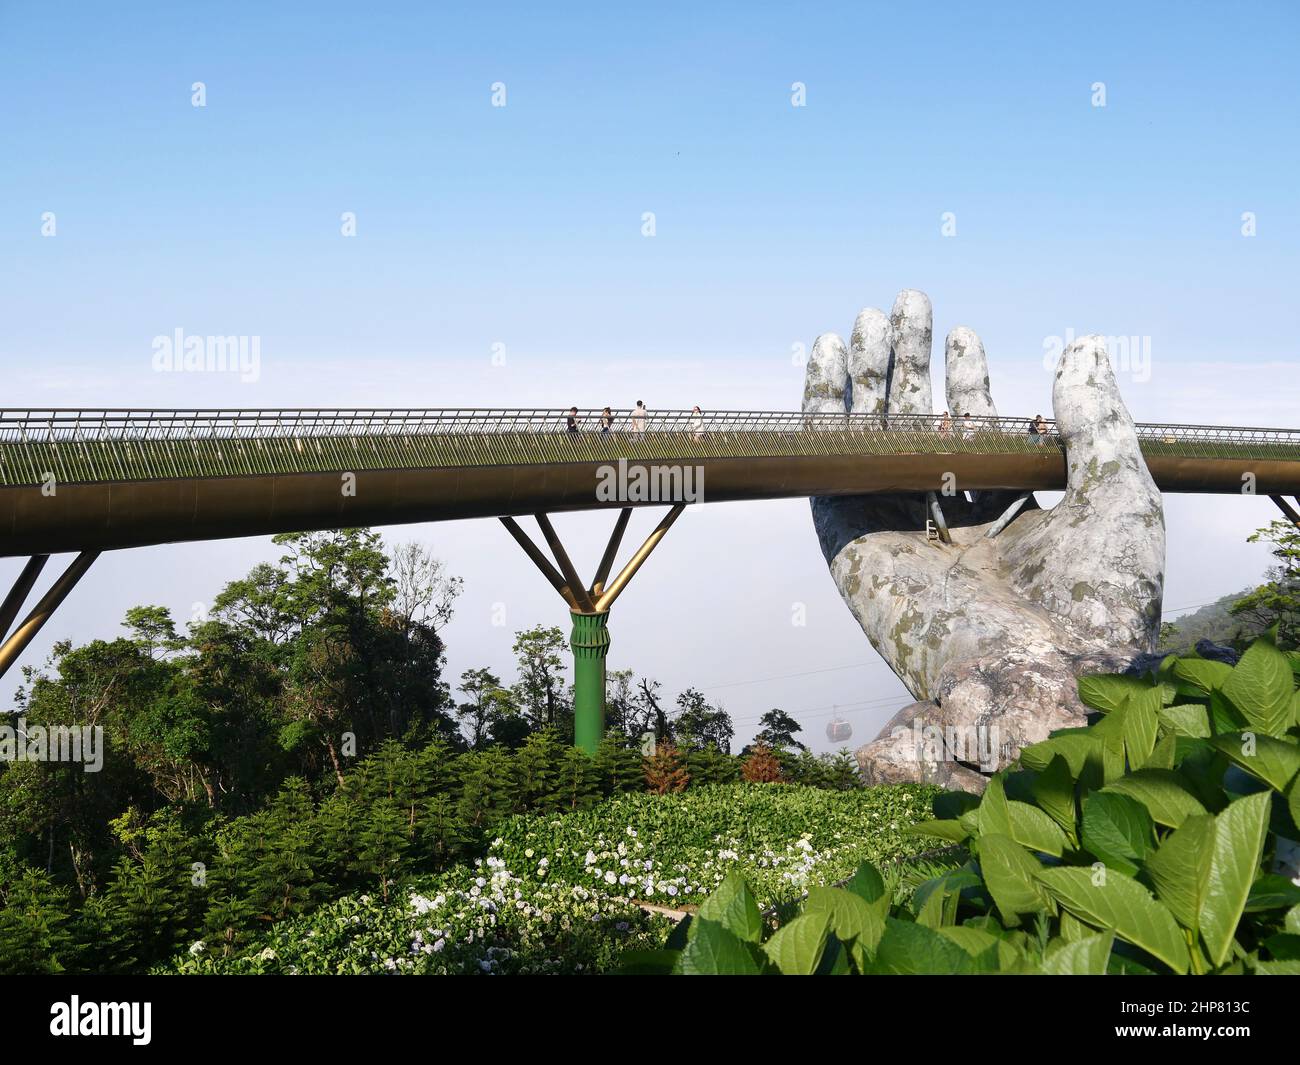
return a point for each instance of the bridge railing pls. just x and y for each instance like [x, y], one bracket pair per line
[81, 445]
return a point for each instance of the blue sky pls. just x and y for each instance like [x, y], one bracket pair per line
[521, 226]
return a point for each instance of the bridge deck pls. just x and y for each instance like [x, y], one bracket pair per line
[80, 480]
[86, 447]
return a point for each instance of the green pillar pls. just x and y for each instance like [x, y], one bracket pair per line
[590, 643]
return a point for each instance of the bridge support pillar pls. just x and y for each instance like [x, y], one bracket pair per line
[590, 643]
[589, 609]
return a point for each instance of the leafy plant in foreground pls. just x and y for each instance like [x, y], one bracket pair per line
[1147, 842]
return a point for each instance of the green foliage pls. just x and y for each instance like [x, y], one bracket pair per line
[1145, 842]
[560, 892]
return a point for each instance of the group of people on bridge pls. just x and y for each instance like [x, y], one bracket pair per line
[637, 421]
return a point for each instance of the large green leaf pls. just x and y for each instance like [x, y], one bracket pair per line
[714, 951]
[797, 948]
[1180, 869]
[867, 883]
[1117, 830]
[1082, 957]
[994, 814]
[913, 949]
[732, 905]
[1261, 687]
[1032, 828]
[1162, 792]
[1202, 673]
[1272, 891]
[1238, 846]
[1140, 725]
[949, 830]
[1011, 874]
[852, 918]
[1112, 900]
[1108, 691]
[1077, 748]
[1275, 762]
[976, 942]
[1277, 968]
[1186, 719]
[1053, 790]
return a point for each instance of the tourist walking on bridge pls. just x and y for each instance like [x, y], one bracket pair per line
[639, 418]
[606, 421]
[573, 420]
[697, 423]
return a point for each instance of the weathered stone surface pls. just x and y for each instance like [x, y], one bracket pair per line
[989, 635]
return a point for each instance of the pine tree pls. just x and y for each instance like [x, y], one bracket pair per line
[579, 780]
[382, 843]
[34, 925]
[487, 789]
[762, 766]
[841, 771]
[285, 880]
[711, 766]
[619, 766]
[664, 771]
[537, 772]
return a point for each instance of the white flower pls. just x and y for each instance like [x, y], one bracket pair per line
[528, 853]
[198, 948]
[610, 878]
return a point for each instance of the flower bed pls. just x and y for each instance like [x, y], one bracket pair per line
[559, 893]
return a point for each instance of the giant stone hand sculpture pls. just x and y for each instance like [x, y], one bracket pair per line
[988, 634]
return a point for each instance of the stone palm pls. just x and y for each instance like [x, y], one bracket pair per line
[989, 633]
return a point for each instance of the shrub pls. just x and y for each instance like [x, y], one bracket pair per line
[664, 771]
[762, 766]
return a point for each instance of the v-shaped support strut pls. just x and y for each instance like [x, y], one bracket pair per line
[589, 605]
[16, 642]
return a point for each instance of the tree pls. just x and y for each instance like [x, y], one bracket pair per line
[152, 628]
[579, 780]
[537, 771]
[841, 771]
[34, 924]
[708, 765]
[665, 772]
[1276, 602]
[425, 593]
[777, 729]
[487, 789]
[762, 766]
[619, 766]
[486, 705]
[539, 692]
[699, 724]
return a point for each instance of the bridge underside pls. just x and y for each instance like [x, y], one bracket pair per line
[106, 515]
